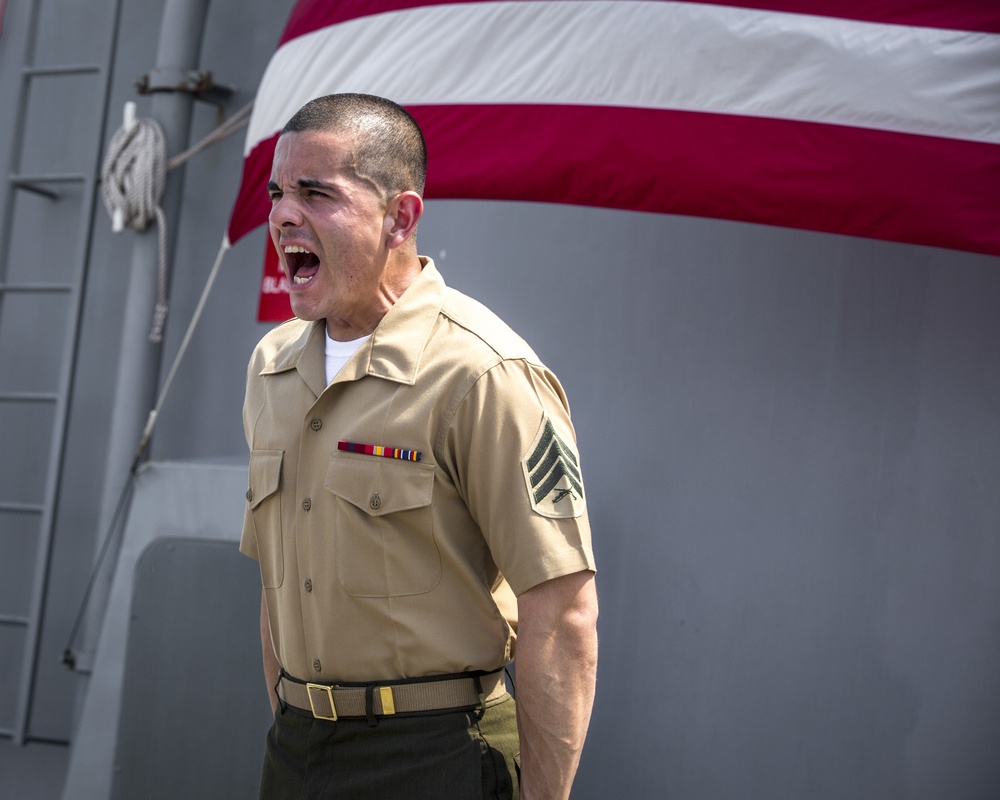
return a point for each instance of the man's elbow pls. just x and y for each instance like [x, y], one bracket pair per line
[582, 615]
[577, 615]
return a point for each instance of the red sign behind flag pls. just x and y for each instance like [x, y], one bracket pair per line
[273, 305]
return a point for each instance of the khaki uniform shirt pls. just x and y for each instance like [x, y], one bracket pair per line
[377, 565]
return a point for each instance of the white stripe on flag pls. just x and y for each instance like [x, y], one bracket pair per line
[682, 56]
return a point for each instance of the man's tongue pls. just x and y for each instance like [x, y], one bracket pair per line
[303, 266]
[305, 274]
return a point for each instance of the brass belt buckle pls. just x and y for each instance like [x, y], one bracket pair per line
[310, 687]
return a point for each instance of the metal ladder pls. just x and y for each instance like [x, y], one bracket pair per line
[35, 403]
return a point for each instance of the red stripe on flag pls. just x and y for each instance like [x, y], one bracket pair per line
[836, 179]
[970, 15]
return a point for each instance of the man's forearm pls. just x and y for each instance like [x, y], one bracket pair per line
[556, 676]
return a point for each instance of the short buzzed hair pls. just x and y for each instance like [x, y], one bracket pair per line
[389, 145]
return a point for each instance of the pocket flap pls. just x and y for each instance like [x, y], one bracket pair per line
[380, 486]
[265, 474]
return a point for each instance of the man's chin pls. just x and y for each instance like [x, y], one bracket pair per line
[304, 311]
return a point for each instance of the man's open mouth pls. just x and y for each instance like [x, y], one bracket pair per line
[302, 264]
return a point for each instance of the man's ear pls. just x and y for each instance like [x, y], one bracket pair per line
[401, 218]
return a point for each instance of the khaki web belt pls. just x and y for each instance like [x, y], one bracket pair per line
[351, 702]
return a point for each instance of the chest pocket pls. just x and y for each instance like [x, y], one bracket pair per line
[265, 510]
[385, 544]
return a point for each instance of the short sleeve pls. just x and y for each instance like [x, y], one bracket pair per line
[518, 467]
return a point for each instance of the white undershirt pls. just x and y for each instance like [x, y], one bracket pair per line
[338, 354]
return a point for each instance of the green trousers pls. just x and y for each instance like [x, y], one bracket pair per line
[456, 755]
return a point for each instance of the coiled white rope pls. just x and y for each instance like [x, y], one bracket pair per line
[133, 178]
[132, 181]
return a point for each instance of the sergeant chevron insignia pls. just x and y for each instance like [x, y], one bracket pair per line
[552, 473]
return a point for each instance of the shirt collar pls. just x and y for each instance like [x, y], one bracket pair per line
[398, 342]
[393, 352]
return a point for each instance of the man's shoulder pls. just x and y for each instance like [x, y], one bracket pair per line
[479, 324]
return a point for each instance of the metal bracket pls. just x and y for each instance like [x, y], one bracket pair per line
[34, 188]
[196, 82]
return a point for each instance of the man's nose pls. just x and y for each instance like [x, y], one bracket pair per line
[284, 213]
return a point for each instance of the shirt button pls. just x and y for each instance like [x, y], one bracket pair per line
[309, 584]
[249, 495]
[317, 665]
[307, 504]
[376, 502]
[316, 424]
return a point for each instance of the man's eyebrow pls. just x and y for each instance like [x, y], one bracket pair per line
[303, 183]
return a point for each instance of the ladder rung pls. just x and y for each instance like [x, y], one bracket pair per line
[61, 69]
[28, 397]
[21, 508]
[19, 622]
[35, 288]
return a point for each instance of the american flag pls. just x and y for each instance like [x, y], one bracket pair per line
[874, 118]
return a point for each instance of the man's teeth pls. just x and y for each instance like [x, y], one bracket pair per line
[295, 249]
